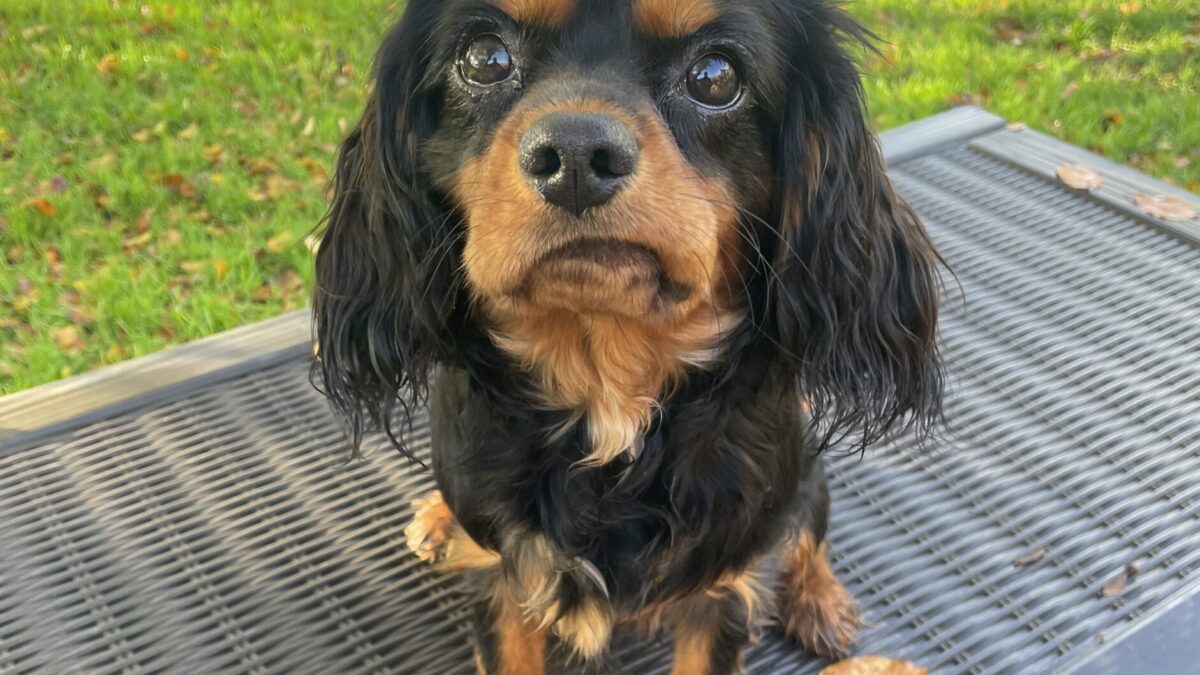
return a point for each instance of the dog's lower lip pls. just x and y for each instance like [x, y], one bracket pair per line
[588, 261]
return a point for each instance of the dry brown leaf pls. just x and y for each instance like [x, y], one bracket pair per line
[182, 55]
[1166, 208]
[1118, 583]
[309, 127]
[874, 665]
[1079, 177]
[67, 338]
[188, 133]
[43, 206]
[108, 63]
[280, 242]
[262, 294]
[193, 266]
[1030, 559]
[179, 185]
[1070, 90]
[221, 267]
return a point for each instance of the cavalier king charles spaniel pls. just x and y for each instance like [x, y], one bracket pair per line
[641, 261]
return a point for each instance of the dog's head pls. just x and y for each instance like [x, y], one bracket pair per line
[650, 161]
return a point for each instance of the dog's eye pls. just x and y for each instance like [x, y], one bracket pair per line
[486, 61]
[713, 82]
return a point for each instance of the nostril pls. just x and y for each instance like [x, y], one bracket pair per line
[611, 162]
[545, 162]
[602, 165]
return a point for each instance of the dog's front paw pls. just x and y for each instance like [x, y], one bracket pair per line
[825, 623]
[428, 535]
[815, 608]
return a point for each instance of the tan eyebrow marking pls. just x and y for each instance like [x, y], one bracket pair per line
[546, 12]
[673, 18]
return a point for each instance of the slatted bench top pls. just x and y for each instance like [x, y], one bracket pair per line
[195, 510]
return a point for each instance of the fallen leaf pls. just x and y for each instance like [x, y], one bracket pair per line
[1030, 558]
[43, 206]
[67, 338]
[188, 133]
[1070, 90]
[182, 55]
[108, 63]
[280, 242]
[59, 184]
[179, 185]
[193, 266]
[1167, 208]
[262, 294]
[221, 267]
[1112, 118]
[873, 665]
[290, 281]
[309, 127]
[144, 219]
[1079, 177]
[114, 353]
[1118, 583]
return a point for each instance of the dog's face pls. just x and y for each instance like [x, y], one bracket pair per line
[601, 153]
[524, 165]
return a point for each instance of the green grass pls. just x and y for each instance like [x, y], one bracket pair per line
[160, 168]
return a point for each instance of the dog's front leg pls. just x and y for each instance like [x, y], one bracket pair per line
[712, 628]
[508, 641]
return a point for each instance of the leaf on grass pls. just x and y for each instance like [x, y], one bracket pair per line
[1166, 208]
[58, 184]
[68, 339]
[1079, 177]
[221, 267]
[42, 206]
[178, 185]
[107, 64]
[874, 665]
[1070, 90]
[144, 219]
[309, 127]
[1030, 558]
[193, 266]
[188, 133]
[280, 242]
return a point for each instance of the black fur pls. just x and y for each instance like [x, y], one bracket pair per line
[841, 296]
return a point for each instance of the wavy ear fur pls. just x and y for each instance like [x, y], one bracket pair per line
[854, 290]
[382, 302]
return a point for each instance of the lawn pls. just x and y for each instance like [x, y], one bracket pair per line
[162, 163]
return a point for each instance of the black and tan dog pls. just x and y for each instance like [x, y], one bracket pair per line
[641, 260]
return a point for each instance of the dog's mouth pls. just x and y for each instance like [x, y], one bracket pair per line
[602, 276]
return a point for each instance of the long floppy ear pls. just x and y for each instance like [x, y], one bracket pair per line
[382, 300]
[854, 290]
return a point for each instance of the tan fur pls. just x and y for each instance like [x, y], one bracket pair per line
[435, 536]
[673, 18]
[521, 642]
[816, 608]
[607, 348]
[693, 652]
[587, 628]
[546, 12]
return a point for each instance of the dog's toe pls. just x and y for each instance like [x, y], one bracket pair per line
[428, 534]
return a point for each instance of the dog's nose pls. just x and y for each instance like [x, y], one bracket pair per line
[578, 160]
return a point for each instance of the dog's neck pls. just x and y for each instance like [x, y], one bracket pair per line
[612, 370]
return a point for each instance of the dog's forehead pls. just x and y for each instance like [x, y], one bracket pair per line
[656, 18]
